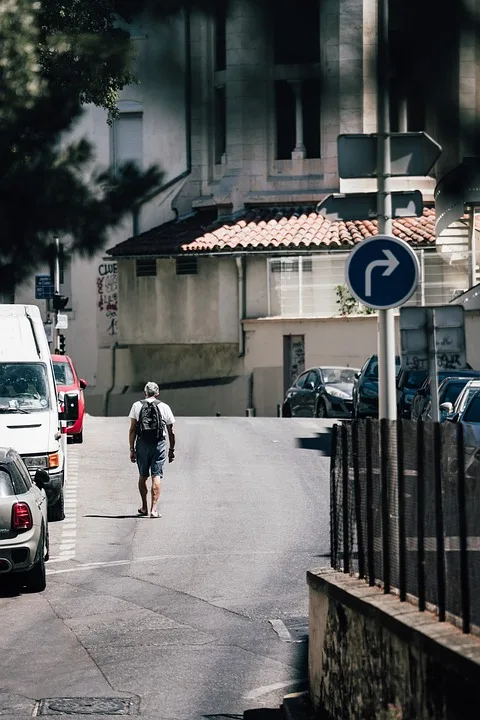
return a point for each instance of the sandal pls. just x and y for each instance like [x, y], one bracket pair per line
[142, 512]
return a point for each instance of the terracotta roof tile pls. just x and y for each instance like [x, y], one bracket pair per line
[268, 229]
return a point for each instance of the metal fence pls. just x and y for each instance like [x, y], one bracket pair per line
[405, 512]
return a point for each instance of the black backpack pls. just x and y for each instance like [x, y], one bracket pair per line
[150, 422]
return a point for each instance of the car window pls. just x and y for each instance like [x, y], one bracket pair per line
[20, 478]
[6, 485]
[451, 391]
[300, 381]
[63, 373]
[372, 369]
[313, 378]
[413, 378]
[472, 413]
[468, 393]
[338, 375]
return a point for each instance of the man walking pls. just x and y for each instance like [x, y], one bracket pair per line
[148, 420]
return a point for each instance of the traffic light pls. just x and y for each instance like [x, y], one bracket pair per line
[60, 302]
[61, 344]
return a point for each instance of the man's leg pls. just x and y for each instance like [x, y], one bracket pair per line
[143, 490]
[155, 492]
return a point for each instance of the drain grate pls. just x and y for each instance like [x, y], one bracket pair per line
[87, 706]
[293, 629]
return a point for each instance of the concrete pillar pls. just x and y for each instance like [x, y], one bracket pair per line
[299, 150]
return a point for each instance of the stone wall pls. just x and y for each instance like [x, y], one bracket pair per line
[373, 657]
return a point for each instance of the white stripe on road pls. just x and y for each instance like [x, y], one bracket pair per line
[66, 551]
[114, 563]
[265, 689]
[281, 629]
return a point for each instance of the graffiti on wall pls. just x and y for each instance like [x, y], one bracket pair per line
[107, 298]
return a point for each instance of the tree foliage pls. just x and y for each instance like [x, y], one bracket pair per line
[53, 58]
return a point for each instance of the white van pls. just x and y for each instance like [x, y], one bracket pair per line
[29, 409]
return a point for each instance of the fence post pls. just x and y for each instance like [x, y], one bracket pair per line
[345, 523]
[439, 526]
[401, 512]
[369, 501]
[463, 531]
[384, 468]
[421, 515]
[358, 499]
[333, 500]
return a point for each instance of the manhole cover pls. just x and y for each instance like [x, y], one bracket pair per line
[87, 706]
[291, 629]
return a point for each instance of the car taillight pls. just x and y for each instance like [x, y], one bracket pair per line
[21, 517]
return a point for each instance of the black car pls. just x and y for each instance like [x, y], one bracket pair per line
[365, 391]
[321, 392]
[408, 382]
[449, 391]
[422, 397]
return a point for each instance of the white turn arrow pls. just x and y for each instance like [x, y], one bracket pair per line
[390, 264]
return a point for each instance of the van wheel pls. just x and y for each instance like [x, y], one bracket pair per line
[78, 438]
[36, 578]
[56, 512]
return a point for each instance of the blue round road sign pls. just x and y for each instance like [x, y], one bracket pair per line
[382, 272]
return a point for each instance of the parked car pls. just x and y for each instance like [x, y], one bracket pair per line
[365, 390]
[448, 392]
[321, 392]
[468, 391]
[408, 382]
[469, 416]
[23, 523]
[422, 397]
[67, 380]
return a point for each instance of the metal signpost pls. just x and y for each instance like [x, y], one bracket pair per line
[364, 206]
[433, 339]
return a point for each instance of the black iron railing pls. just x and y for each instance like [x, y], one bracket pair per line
[405, 512]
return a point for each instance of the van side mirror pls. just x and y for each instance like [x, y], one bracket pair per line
[83, 383]
[41, 478]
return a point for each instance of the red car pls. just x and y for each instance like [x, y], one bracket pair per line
[68, 381]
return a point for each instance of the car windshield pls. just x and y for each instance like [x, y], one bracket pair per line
[332, 375]
[63, 373]
[469, 392]
[372, 369]
[451, 391]
[472, 413]
[23, 387]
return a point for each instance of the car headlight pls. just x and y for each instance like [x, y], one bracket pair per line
[34, 462]
[335, 392]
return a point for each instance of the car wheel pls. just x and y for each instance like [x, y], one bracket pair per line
[78, 437]
[321, 411]
[287, 410]
[36, 578]
[56, 511]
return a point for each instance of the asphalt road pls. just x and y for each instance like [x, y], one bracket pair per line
[173, 615]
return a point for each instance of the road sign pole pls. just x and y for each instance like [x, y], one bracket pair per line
[432, 364]
[386, 320]
[56, 288]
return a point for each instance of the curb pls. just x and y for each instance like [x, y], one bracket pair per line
[297, 706]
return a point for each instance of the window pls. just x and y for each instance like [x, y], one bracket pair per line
[221, 35]
[472, 413]
[63, 373]
[23, 387]
[285, 115]
[128, 139]
[220, 124]
[313, 377]
[285, 119]
[145, 268]
[296, 32]
[301, 380]
[186, 265]
[291, 264]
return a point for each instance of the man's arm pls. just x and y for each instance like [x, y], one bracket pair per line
[171, 440]
[132, 433]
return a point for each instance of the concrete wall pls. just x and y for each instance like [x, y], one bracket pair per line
[371, 656]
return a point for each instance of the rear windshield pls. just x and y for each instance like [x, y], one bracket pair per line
[6, 486]
[472, 413]
[63, 373]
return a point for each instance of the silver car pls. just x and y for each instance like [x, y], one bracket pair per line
[23, 524]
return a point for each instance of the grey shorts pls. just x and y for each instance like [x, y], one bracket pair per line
[150, 458]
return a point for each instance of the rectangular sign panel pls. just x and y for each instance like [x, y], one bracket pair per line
[43, 287]
[449, 330]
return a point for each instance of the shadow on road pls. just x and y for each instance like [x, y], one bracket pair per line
[322, 442]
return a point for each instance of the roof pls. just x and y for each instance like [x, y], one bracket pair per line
[268, 229]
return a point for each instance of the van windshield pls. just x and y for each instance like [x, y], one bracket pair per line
[23, 387]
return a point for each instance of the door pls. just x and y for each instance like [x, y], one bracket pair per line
[293, 359]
